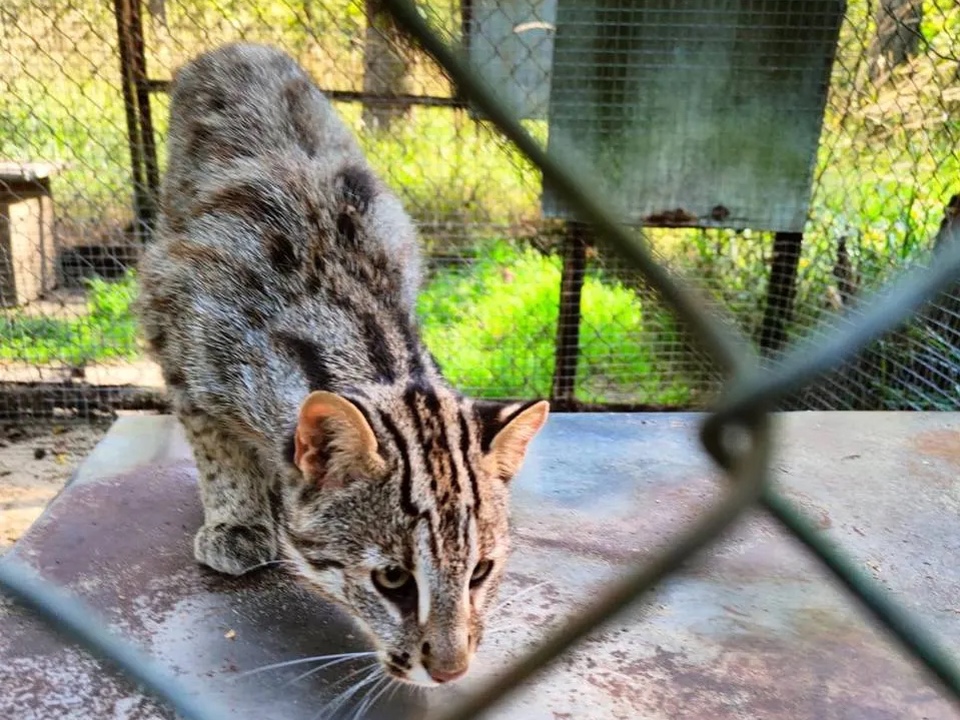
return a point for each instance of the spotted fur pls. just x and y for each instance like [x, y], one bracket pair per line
[278, 298]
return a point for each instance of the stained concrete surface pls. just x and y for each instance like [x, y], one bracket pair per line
[752, 629]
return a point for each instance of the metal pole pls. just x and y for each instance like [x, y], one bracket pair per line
[781, 291]
[563, 393]
[141, 87]
[123, 14]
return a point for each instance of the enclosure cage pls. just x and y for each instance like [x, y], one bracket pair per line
[787, 156]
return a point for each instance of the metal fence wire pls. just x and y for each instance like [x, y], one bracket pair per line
[850, 178]
[833, 355]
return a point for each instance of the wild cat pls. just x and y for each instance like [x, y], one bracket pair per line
[278, 298]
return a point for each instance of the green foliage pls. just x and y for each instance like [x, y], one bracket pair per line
[493, 326]
[107, 331]
[448, 169]
[888, 161]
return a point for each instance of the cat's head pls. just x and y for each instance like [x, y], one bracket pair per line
[400, 513]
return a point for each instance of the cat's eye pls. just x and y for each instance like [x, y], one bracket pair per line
[481, 572]
[392, 580]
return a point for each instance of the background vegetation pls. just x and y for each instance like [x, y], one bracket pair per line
[888, 162]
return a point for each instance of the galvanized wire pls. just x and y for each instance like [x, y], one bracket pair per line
[733, 356]
[752, 469]
[904, 627]
[753, 395]
[887, 162]
[836, 344]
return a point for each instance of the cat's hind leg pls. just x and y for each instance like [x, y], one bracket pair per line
[238, 533]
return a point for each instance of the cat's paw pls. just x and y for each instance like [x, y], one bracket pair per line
[234, 549]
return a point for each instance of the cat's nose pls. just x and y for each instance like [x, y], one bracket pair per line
[444, 675]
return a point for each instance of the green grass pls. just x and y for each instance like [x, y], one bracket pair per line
[493, 326]
[452, 171]
[65, 105]
[108, 330]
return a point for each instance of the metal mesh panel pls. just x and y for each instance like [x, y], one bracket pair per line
[702, 113]
[88, 105]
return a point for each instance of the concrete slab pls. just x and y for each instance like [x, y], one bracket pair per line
[754, 629]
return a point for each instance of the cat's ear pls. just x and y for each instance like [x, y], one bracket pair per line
[507, 432]
[334, 442]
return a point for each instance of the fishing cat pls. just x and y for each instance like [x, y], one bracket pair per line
[278, 298]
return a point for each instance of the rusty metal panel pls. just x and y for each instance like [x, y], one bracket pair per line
[700, 113]
[754, 629]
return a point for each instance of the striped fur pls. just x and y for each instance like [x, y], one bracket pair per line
[278, 299]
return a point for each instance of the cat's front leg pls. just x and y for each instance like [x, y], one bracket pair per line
[238, 533]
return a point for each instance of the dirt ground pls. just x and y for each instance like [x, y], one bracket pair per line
[35, 463]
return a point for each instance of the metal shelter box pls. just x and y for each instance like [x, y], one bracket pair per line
[704, 113]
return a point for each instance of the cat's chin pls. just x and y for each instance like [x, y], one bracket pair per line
[418, 677]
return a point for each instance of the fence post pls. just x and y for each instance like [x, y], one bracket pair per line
[136, 102]
[386, 69]
[563, 392]
[781, 290]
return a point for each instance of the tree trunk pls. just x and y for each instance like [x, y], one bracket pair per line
[386, 68]
[898, 36]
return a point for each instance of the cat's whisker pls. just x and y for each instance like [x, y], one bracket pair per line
[371, 697]
[372, 683]
[517, 596]
[391, 683]
[278, 561]
[340, 697]
[396, 685]
[365, 668]
[364, 698]
[337, 702]
[317, 669]
[329, 708]
[313, 274]
[300, 661]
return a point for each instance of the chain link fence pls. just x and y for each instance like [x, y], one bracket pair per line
[607, 270]
[520, 300]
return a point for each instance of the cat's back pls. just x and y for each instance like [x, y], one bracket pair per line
[246, 115]
[265, 180]
[272, 224]
[243, 103]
